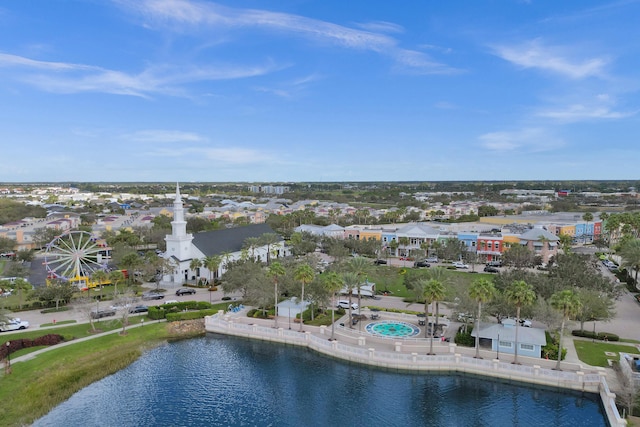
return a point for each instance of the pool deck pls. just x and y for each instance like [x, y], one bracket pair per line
[352, 343]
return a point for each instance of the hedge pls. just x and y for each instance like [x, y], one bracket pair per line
[190, 315]
[19, 344]
[162, 311]
[602, 336]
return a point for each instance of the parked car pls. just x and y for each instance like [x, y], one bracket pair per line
[431, 259]
[489, 269]
[422, 263]
[345, 304]
[494, 264]
[185, 291]
[139, 309]
[152, 295]
[526, 323]
[13, 325]
[380, 262]
[102, 313]
[465, 317]
[460, 264]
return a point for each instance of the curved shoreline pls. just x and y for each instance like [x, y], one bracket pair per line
[412, 361]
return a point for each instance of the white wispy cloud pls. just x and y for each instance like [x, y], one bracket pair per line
[580, 112]
[74, 78]
[381, 26]
[185, 15]
[164, 136]
[599, 107]
[8, 60]
[534, 54]
[527, 140]
[290, 89]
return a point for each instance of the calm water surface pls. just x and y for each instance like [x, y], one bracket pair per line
[226, 381]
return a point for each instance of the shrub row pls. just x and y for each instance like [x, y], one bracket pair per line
[190, 315]
[602, 336]
[19, 344]
[160, 311]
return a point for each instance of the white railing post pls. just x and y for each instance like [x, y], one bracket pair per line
[371, 352]
[398, 346]
[323, 328]
[361, 341]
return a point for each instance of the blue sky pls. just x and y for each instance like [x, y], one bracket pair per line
[322, 90]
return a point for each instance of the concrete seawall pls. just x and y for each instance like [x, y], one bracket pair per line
[391, 355]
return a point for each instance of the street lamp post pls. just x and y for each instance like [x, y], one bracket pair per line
[289, 314]
[498, 347]
[7, 366]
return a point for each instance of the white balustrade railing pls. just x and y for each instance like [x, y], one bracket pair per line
[589, 382]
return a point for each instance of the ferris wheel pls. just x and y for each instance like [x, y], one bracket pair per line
[72, 255]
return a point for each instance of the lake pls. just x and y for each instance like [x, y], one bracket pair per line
[227, 381]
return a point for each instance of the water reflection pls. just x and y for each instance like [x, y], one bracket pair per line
[217, 380]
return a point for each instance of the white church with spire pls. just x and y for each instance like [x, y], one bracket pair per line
[228, 243]
[179, 241]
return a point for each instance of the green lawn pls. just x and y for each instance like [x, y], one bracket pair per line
[593, 353]
[391, 279]
[68, 332]
[35, 387]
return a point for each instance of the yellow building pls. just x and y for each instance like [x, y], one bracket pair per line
[371, 235]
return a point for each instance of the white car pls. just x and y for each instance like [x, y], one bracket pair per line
[13, 325]
[460, 264]
[526, 323]
[345, 304]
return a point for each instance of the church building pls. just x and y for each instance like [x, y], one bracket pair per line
[228, 243]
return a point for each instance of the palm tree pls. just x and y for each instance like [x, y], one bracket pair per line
[360, 266]
[568, 303]
[250, 244]
[521, 294]
[303, 274]
[226, 259]
[333, 283]
[115, 277]
[404, 242]
[630, 253]
[481, 290]
[588, 216]
[212, 263]
[432, 290]
[275, 271]
[439, 274]
[350, 280]
[269, 239]
[195, 264]
[99, 277]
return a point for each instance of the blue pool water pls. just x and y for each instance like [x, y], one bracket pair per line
[392, 329]
[226, 381]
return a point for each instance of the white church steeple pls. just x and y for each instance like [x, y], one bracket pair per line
[179, 241]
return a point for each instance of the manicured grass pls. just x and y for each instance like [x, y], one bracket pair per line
[593, 353]
[391, 279]
[68, 332]
[35, 387]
